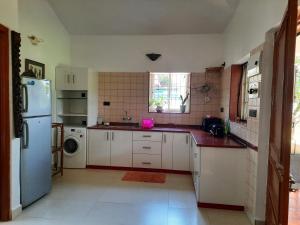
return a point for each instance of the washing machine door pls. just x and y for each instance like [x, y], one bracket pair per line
[71, 146]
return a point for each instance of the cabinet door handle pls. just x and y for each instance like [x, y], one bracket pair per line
[112, 136]
[146, 147]
[165, 138]
[73, 79]
[147, 136]
[186, 139]
[107, 137]
[146, 163]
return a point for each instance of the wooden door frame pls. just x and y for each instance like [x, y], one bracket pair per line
[283, 169]
[5, 211]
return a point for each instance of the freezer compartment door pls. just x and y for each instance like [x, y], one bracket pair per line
[35, 159]
[36, 97]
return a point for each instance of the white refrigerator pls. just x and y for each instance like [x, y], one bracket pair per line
[36, 141]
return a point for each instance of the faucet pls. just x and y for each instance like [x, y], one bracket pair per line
[127, 117]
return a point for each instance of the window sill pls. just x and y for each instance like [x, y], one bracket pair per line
[240, 122]
[169, 112]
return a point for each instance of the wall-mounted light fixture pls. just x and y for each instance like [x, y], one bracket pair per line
[153, 56]
[35, 40]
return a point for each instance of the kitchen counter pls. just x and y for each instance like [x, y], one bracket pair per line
[201, 138]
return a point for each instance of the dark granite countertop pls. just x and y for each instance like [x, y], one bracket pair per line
[200, 137]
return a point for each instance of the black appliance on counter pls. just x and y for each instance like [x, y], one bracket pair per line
[217, 130]
[213, 125]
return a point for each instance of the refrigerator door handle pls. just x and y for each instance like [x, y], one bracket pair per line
[25, 98]
[25, 139]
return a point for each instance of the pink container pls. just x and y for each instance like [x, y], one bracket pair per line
[147, 123]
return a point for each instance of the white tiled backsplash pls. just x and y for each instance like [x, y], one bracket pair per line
[129, 92]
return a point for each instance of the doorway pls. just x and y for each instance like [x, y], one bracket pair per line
[294, 195]
[5, 213]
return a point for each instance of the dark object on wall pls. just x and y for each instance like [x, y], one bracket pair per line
[16, 80]
[252, 113]
[36, 68]
[208, 122]
[153, 56]
[106, 103]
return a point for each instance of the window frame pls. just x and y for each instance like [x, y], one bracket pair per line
[238, 87]
[188, 88]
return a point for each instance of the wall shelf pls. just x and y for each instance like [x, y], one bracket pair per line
[72, 114]
[67, 98]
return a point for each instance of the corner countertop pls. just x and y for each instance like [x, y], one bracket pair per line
[201, 138]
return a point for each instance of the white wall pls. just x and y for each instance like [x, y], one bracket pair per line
[180, 53]
[37, 18]
[9, 13]
[248, 26]
[33, 17]
[9, 18]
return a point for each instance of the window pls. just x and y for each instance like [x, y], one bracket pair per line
[169, 92]
[243, 95]
[238, 109]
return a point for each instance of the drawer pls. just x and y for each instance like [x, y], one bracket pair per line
[147, 161]
[147, 136]
[147, 147]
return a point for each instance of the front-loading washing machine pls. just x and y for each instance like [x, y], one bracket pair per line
[75, 147]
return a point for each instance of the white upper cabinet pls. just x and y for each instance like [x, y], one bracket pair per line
[79, 78]
[71, 78]
[167, 151]
[62, 78]
[121, 148]
[181, 151]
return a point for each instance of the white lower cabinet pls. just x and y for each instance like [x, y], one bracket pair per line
[147, 161]
[167, 151]
[139, 149]
[110, 148]
[147, 147]
[99, 147]
[222, 176]
[181, 151]
[121, 148]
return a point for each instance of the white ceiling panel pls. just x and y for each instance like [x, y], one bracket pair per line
[144, 17]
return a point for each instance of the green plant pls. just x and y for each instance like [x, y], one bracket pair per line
[183, 100]
[156, 102]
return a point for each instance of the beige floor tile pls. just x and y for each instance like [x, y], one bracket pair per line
[187, 216]
[182, 199]
[65, 210]
[100, 197]
[226, 217]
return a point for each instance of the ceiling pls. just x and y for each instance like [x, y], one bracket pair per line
[144, 17]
